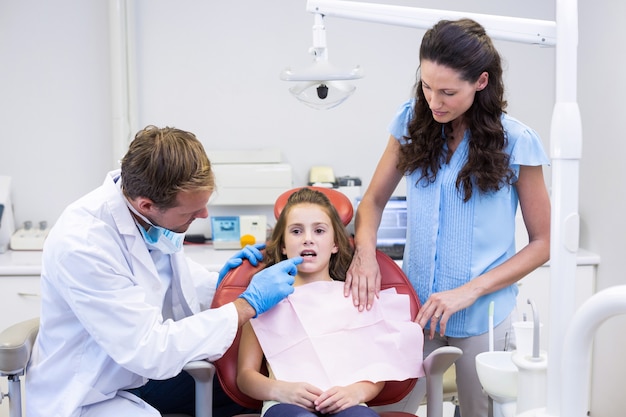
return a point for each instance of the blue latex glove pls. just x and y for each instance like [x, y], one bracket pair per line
[271, 285]
[251, 252]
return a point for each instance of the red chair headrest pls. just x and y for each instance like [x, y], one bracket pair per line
[340, 201]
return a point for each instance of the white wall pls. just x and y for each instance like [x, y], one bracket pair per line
[212, 68]
[54, 102]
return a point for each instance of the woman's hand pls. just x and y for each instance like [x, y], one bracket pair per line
[363, 279]
[441, 305]
[363, 276]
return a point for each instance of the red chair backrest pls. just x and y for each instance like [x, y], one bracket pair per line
[233, 284]
[392, 276]
[237, 280]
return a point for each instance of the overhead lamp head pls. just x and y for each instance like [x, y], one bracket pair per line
[321, 85]
[322, 95]
[321, 70]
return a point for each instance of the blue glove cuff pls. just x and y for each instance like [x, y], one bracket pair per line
[247, 297]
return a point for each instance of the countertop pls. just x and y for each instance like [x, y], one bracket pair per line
[14, 263]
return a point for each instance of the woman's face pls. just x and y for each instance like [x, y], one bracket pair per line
[309, 233]
[448, 96]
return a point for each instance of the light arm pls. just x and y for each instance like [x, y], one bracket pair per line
[515, 29]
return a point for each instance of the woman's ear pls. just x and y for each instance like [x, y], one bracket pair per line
[483, 81]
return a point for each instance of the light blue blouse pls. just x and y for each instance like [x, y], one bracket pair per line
[449, 242]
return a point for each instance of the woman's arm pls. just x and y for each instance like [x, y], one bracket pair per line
[252, 382]
[535, 206]
[363, 276]
[339, 398]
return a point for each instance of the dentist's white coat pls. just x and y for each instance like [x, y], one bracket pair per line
[101, 327]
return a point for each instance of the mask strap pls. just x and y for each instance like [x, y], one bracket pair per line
[134, 210]
[141, 216]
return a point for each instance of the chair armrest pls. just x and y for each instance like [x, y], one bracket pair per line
[202, 372]
[16, 345]
[435, 365]
[450, 392]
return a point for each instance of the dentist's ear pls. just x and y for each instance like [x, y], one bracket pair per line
[143, 205]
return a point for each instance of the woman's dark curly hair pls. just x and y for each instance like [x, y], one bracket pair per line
[463, 46]
[340, 261]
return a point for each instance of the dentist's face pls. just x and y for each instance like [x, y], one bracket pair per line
[309, 234]
[190, 205]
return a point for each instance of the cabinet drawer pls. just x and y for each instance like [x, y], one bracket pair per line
[20, 299]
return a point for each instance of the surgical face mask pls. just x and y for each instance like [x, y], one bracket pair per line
[162, 239]
[157, 237]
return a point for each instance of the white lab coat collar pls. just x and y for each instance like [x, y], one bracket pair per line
[185, 300]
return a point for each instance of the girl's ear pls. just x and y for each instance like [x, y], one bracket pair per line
[335, 249]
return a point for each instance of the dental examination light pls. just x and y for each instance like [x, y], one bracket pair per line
[321, 86]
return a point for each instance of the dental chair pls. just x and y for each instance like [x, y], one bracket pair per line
[16, 344]
[435, 365]
[17, 341]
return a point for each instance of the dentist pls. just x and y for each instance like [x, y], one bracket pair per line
[123, 310]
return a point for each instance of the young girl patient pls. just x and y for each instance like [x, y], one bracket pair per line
[310, 227]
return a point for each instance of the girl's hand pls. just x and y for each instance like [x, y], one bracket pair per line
[298, 393]
[337, 399]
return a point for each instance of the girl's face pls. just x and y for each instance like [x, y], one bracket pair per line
[448, 96]
[309, 233]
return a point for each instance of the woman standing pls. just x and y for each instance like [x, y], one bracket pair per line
[468, 164]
